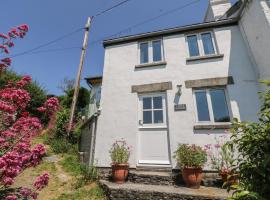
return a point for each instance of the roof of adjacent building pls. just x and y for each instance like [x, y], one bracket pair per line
[94, 80]
[231, 17]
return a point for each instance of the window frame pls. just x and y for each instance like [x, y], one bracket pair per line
[200, 44]
[151, 51]
[210, 105]
[164, 111]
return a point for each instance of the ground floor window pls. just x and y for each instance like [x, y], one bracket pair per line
[212, 105]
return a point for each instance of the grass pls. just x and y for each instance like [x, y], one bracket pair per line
[71, 164]
[94, 193]
[65, 177]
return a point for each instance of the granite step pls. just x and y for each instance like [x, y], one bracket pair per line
[150, 177]
[137, 191]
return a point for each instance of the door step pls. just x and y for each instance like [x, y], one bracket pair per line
[151, 177]
[137, 191]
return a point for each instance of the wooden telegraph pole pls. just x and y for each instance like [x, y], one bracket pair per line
[77, 84]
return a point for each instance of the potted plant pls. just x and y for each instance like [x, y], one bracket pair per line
[120, 153]
[222, 158]
[191, 159]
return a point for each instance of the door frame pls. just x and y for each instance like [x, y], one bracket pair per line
[163, 126]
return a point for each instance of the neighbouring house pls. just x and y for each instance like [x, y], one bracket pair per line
[179, 85]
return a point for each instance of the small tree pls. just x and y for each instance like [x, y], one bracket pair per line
[252, 139]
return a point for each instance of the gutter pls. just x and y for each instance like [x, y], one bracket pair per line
[177, 30]
[171, 31]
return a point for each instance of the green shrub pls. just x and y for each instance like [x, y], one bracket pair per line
[59, 145]
[120, 152]
[190, 156]
[252, 139]
[61, 123]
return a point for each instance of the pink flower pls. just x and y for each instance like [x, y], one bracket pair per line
[4, 36]
[11, 197]
[41, 181]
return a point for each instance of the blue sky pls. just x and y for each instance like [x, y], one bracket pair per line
[51, 19]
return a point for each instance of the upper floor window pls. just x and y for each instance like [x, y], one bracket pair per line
[201, 44]
[151, 51]
[211, 105]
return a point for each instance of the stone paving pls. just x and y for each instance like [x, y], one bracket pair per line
[136, 191]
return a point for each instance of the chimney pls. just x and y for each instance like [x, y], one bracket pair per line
[216, 9]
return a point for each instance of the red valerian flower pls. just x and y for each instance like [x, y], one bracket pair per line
[4, 48]
[41, 181]
[6, 61]
[4, 36]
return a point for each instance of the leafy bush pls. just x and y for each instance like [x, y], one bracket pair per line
[190, 156]
[59, 145]
[37, 93]
[252, 139]
[120, 152]
[82, 102]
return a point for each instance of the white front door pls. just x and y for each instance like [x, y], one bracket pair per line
[153, 143]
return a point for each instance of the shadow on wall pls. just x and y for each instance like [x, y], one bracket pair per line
[243, 94]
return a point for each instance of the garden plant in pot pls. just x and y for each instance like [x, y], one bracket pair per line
[191, 159]
[120, 153]
[223, 159]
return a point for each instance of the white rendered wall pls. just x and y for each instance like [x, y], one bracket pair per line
[255, 27]
[119, 115]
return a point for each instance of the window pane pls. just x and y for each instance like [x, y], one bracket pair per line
[147, 117]
[158, 116]
[156, 50]
[157, 102]
[144, 52]
[207, 43]
[147, 103]
[219, 104]
[193, 45]
[202, 106]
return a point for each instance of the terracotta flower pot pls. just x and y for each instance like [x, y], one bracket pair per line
[120, 172]
[192, 177]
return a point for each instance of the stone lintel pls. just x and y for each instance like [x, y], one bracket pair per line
[209, 82]
[153, 87]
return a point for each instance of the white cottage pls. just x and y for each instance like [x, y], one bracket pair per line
[179, 85]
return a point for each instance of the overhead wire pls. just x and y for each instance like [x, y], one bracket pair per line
[117, 34]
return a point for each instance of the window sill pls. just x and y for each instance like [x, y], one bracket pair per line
[153, 64]
[152, 127]
[196, 58]
[214, 126]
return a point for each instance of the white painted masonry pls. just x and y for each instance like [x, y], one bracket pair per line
[255, 28]
[216, 9]
[119, 115]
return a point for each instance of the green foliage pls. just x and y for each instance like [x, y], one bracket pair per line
[82, 101]
[85, 174]
[120, 152]
[190, 156]
[88, 174]
[61, 145]
[252, 139]
[37, 93]
[61, 123]
[94, 193]
[71, 164]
